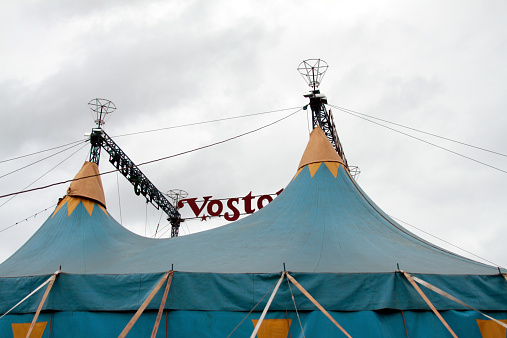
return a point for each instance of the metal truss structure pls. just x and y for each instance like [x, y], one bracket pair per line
[142, 185]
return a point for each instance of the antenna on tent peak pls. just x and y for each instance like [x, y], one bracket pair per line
[101, 108]
[313, 71]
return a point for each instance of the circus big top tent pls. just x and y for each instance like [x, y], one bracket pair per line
[322, 250]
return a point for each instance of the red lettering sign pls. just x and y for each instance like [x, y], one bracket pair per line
[216, 207]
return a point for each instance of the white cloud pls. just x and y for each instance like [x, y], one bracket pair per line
[434, 66]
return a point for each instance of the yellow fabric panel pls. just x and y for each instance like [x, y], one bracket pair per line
[319, 149]
[273, 328]
[347, 171]
[60, 205]
[313, 168]
[490, 329]
[103, 209]
[88, 205]
[19, 330]
[89, 187]
[299, 170]
[72, 204]
[333, 167]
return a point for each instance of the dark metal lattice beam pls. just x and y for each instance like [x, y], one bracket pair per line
[323, 118]
[142, 185]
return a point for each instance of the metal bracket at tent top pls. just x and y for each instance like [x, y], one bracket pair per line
[313, 71]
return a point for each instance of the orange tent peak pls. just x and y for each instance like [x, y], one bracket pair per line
[87, 184]
[319, 149]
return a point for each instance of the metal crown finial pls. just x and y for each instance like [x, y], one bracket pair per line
[101, 107]
[176, 195]
[313, 71]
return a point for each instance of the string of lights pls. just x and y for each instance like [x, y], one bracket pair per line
[27, 218]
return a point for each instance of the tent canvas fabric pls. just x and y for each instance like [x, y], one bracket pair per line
[323, 228]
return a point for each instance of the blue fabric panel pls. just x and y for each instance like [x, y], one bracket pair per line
[422, 324]
[191, 291]
[12, 290]
[357, 324]
[319, 224]
[419, 324]
[183, 324]
[6, 323]
[240, 292]
[102, 292]
[104, 324]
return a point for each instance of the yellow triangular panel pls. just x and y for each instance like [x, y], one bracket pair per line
[273, 328]
[72, 204]
[333, 167]
[19, 330]
[103, 209]
[299, 170]
[88, 205]
[490, 329]
[313, 168]
[349, 174]
[60, 205]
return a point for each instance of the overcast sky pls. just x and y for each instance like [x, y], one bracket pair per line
[435, 66]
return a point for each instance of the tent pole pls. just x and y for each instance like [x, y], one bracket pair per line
[266, 308]
[404, 323]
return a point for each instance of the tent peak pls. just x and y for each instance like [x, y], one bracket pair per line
[319, 149]
[87, 184]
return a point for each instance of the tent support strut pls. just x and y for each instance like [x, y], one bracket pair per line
[266, 308]
[317, 304]
[435, 311]
[162, 304]
[147, 301]
[43, 300]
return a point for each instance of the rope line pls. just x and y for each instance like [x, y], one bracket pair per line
[443, 240]
[348, 111]
[42, 159]
[295, 307]
[154, 130]
[156, 160]
[38, 152]
[206, 122]
[26, 219]
[158, 225]
[420, 139]
[119, 198]
[248, 314]
[47, 172]
[163, 227]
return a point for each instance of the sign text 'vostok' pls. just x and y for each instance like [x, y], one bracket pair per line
[231, 206]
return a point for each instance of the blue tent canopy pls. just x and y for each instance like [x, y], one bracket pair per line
[335, 241]
[321, 223]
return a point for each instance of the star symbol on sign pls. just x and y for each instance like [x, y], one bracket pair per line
[203, 218]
